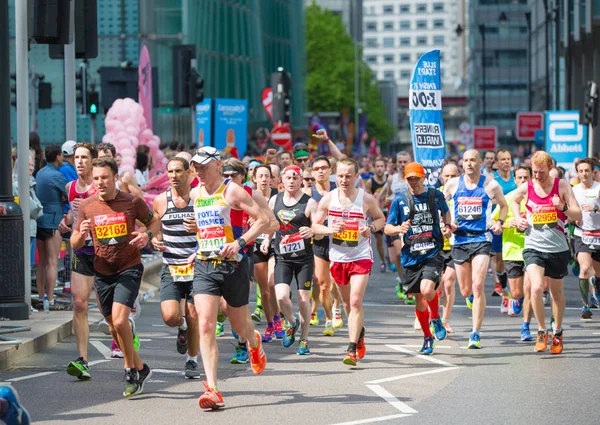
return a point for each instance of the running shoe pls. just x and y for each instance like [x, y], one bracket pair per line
[220, 329]
[428, 345]
[417, 325]
[338, 322]
[497, 290]
[279, 332]
[234, 334]
[115, 352]
[144, 376]
[211, 399]
[382, 267]
[136, 338]
[303, 349]
[474, 341]
[258, 358]
[593, 301]
[132, 383]
[79, 369]
[182, 343]
[314, 319]
[437, 329]
[504, 305]
[541, 343]
[191, 370]
[268, 336]
[361, 349]
[221, 317]
[525, 334]
[103, 327]
[410, 299]
[557, 346]
[290, 334]
[350, 358]
[15, 413]
[447, 326]
[552, 322]
[400, 290]
[241, 356]
[258, 314]
[328, 329]
[517, 306]
[586, 313]
[469, 301]
[546, 298]
[393, 268]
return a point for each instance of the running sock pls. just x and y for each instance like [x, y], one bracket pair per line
[423, 317]
[584, 290]
[194, 358]
[352, 347]
[269, 324]
[434, 306]
[242, 345]
[475, 330]
[276, 318]
[503, 278]
[362, 333]
[258, 297]
[183, 327]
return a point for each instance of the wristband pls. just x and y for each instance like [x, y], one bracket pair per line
[150, 235]
[372, 228]
[566, 207]
[501, 221]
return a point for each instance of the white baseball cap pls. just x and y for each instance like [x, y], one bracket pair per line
[68, 148]
[206, 154]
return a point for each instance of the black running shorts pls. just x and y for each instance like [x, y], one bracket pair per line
[555, 264]
[174, 291]
[227, 279]
[582, 247]
[122, 288]
[302, 271]
[464, 253]
[430, 269]
[82, 264]
[514, 269]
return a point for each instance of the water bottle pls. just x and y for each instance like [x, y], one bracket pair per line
[46, 305]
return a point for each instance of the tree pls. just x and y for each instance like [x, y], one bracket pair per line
[330, 66]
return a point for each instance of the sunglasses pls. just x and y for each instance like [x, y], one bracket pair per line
[309, 179]
[413, 179]
[230, 175]
[323, 168]
[302, 159]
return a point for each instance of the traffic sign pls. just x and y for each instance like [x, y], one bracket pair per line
[527, 124]
[485, 138]
[282, 134]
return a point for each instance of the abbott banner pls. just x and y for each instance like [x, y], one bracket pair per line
[426, 123]
[565, 138]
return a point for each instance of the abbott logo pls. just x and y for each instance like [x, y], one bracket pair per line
[564, 127]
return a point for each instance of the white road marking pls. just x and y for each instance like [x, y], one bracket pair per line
[159, 326]
[35, 375]
[103, 349]
[372, 420]
[414, 353]
[393, 401]
[167, 371]
[412, 375]
[459, 306]
[99, 361]
[110, 339]
[436, 346]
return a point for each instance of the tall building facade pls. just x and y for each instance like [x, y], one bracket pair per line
[498, 64]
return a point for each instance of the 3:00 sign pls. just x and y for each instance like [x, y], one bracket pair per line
[421, 99]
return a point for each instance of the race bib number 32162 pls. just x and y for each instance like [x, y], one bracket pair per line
[111, 229]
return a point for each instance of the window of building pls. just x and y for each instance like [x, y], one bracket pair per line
[388, 58]
[421, 25]
[404, 58]
[371, 42]
[438, 7]
[370, 26]
[405, 41]
[388, 26]
[438, 23]
[441, 56]
[404, 25]
[388, 8]
[421, 40]
[422, 8]
[371, 59]
[388, 42]
[388, 75]
[438, 40]
[404, 74]
[405, 8]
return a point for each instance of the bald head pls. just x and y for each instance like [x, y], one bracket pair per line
[472, 153]
[185, 155]
[448, 172]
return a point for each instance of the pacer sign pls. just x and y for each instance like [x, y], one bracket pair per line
[426, 122]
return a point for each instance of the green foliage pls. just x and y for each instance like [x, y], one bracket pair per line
[330, 66]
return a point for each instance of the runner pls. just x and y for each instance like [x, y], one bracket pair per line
[346, 210]
[82, 263]
[374, 185]
[513, 243]
[487, 168]
[549, 203]
[586, 236]
[110, 215]
[220, 268]
[414, 215]
[472, 196]
[126, 182]
[366, 171]
[173, 208]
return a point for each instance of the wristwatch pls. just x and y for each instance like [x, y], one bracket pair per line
[150, 235]
[501, 221]
[372, 228]
[566, 207]
[241, 242]
[595, 208]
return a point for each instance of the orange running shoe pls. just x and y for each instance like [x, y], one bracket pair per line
[211, 399]
[350, 358]
[361, 350]
[557, 346]
[258, 358]
[541, 343]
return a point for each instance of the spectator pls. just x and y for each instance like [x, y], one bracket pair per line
[36, 145]
[68, 154]
[141, 169]
[50, 190]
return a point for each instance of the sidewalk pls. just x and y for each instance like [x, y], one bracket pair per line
[47, 331]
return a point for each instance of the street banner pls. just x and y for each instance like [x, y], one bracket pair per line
[362, 135]
[527, 124]
[426, 121]
[204, 123]
[485, 138]
[231, 126]
[566, 140]
[145, 85]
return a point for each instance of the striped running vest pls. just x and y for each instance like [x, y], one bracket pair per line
[218, 224]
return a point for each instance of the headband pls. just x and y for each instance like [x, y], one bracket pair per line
[230, 168]
[301, 153]
[292, 168]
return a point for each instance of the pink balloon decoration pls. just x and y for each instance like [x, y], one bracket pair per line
[127, 168]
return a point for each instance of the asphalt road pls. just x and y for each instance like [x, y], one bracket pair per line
[505, 382]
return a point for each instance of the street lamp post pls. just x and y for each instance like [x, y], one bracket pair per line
[556, 13]
[547, 54]
[529, 97]
[482, 32]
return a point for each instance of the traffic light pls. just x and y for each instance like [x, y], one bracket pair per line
[281, 83]
[81, 88]
[196, 86]
[93, 102]
[183, 94]
[86, 32]
[44, 95]
[590, 107]
[13, 89]
[49, 21]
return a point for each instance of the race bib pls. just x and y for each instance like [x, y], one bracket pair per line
[545, 216]
[181, 272]
[347, 237]
[469, 208]
[292, 245]
[210, 239]
[422, 247]
[111, 229]
[261, 238]
[591, 238]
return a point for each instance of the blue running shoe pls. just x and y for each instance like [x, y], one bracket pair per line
[235, 336]
[469, 301]
[474, 341]
[241, 356]
[525, 334]
[393, 267]
[15, 414]
[438, 329]
[517, 305]
[303, 349]
[290, 334]
[428, 345]
[586, 313]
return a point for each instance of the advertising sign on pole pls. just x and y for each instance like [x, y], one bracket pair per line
[485, 138]
[566, 139]
[231, 126]
[527, 124]
[204, 122]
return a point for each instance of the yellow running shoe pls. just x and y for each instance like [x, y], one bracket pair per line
[314, 319]
[328, 329]
[337, 322]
